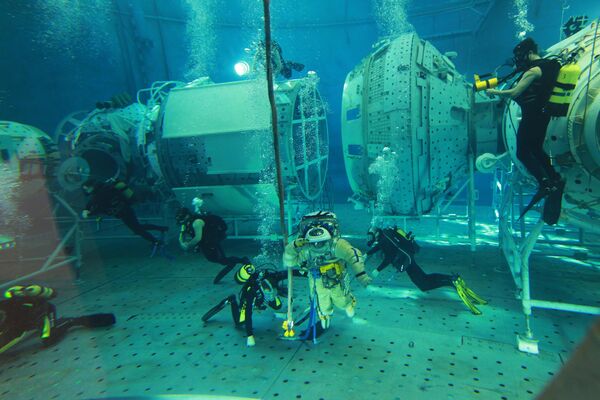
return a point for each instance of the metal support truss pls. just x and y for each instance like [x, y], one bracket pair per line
[441, 209]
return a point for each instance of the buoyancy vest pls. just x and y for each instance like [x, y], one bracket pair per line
[536, 96]
[215, 228]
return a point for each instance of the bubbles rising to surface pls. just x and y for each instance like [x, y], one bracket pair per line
[76, 27]
[522, 25]
[201, 37]
[392, 17]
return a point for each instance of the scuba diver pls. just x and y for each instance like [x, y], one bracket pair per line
[115, 199]
[279, 64]
[321, 253]
[205, 232]
[27, 309]
[531, 93]
[259, 290]
[399, 249]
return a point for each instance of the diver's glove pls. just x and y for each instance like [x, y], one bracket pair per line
[250, 342]
[85, 214]
[363, 278]
[375, 273]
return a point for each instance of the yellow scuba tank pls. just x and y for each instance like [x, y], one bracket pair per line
[38, 291]
[558, 104]
[244, 273]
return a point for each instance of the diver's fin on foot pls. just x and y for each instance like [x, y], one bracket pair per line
[210, 313]
[222, 273]
[474, 296]
[553, 204]
[465, 299]
[537, 197]
[97, 320]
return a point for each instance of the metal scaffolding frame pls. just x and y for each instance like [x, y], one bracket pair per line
[517, 240]
[439, 216]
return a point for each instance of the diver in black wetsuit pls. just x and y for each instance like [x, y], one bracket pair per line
[205, 232]
[115, 199]
[280, 65]
[532, 92]
[27, 308]
[259, 290]
[399, 249]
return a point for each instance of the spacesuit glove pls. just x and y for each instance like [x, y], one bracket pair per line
[363, 278]
[300, 242]
[250, 342]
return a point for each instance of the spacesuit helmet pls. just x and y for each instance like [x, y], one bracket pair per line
[318, 237]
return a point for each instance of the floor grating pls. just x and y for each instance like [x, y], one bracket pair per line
[402, 344]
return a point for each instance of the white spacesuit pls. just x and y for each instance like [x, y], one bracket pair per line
[326, 258]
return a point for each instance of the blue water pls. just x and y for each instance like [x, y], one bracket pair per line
[59, 57]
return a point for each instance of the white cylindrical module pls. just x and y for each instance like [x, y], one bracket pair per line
[206, 140]
[409, 97]
[214, 141]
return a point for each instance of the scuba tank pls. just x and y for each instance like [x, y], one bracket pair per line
[558, 104]
[31, 291]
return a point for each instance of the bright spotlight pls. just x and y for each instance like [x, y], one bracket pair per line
[242, 68]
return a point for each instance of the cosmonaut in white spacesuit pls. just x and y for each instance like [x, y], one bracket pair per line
[329, 261]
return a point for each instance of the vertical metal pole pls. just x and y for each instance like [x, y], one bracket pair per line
[77, 250]
[525, 252]
[280, 190]
[471, 201]
[521, 206]
[526, 296]
[289, 209]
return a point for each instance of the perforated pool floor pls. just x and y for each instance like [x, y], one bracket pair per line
[401, 344]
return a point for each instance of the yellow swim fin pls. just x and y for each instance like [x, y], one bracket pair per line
[465, 299]
[474, 296]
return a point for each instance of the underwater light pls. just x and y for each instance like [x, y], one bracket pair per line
[242, 68]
